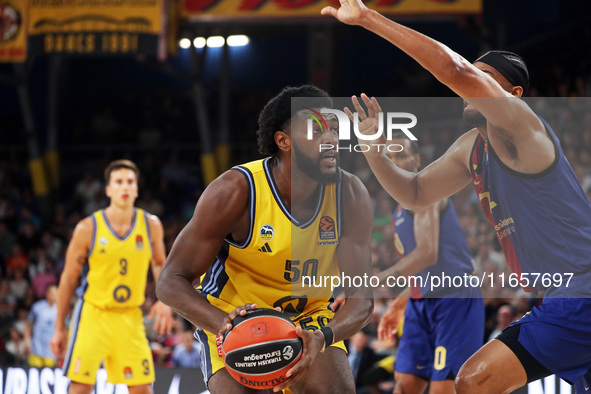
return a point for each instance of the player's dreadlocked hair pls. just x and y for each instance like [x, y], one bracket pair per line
[277, 113]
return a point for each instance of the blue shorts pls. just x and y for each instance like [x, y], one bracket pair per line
[558, 335]
[439, 335]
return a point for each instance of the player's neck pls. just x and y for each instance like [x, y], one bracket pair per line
[281, 170]
[119, 216]
[483, 130]
[293, 186]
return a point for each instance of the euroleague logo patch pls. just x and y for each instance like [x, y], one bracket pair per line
[267, 232]
[139, 242]
[326, 228]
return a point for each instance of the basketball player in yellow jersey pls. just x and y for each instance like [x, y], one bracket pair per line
[260, 227]
[112, 249]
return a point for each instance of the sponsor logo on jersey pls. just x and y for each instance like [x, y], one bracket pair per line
[326, 228]
[267, 232]
[121, 293]
[127, 373]
[266, 248]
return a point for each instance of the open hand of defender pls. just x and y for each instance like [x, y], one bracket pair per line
[313, 342]
[368, 123]
[350, 12]
[392, 318]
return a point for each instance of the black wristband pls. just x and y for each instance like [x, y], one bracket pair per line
[328, 336]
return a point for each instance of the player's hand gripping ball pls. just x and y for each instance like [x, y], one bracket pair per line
[260, 348]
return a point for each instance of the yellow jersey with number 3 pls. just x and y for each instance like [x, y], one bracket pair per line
[115, 273]
[280, 252]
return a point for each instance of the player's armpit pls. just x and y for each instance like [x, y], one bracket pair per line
[221, 210]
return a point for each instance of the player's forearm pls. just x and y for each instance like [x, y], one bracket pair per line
[64, 300]
[399, 183]
[352, 317]
[434, 56]
[178, 293]
[416, 261]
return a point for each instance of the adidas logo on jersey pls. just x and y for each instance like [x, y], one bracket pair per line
[266, 248]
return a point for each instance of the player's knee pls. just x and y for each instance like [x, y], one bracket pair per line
[466, 382]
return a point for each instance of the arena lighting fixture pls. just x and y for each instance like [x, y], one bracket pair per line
[238, 40]
[215, 42]
[199, 42]
[184, 43]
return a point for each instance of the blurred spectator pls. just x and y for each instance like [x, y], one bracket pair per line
[17, 261]
[86, 189]
[38, 262]
[20, 323]
[187, 354]
[18, 284]
[505, 316]
[42, 280]
[28, 237]
[39, 330]
[15, 347]
[361, 355]
[52, 245]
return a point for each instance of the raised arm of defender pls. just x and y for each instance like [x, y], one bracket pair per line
[530, 150]
[444, 177]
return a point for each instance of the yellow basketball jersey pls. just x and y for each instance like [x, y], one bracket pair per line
[268, 268]
[117, 267]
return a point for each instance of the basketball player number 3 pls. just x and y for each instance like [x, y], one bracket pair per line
[123, 265]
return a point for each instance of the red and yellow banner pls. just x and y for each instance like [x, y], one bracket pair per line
[212, 9]
[103, 27]
[13, 30]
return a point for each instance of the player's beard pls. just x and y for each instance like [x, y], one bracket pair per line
[474, 118]
[312, 167]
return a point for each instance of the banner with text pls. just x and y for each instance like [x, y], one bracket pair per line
[213, 9]
[13, 30]
[97, 27]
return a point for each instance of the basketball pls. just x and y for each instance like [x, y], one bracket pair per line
[260, 348]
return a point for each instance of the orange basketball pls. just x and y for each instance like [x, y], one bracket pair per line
[260, 348]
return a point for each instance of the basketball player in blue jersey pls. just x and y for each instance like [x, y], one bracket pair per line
[258, 228]
[111, 252]
[528, 192]
[442, 326]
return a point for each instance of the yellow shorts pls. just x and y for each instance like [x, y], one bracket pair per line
[211, 361]
[40, 362]
[114, 336]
